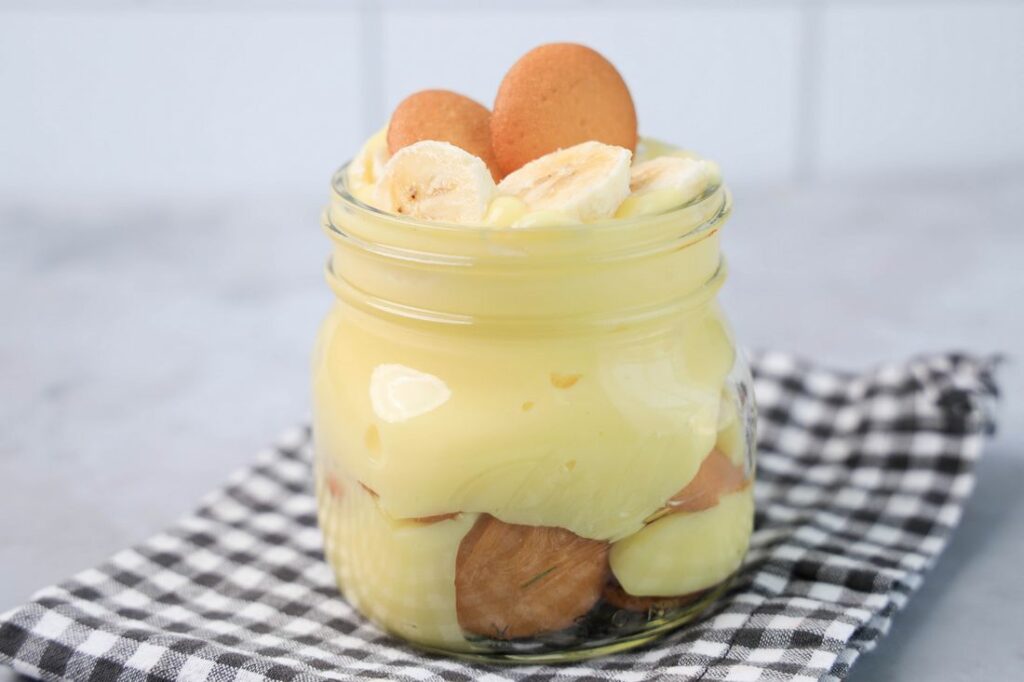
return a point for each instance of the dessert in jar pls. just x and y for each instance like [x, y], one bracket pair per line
[533, 430]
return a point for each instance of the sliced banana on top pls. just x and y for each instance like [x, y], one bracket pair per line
[670, 172]
[586, 182]
[435, 181]
[664, 183]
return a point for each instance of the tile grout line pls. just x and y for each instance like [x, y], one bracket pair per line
[371, 73]
[808, 113]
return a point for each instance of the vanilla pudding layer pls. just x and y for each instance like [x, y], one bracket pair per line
[401, 574]
[585, 434]
[556, 378]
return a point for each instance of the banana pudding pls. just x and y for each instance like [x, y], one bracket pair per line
[533, 431]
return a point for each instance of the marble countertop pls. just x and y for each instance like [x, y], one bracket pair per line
[150, 348]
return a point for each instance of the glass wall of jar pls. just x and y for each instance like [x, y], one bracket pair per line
[532, 444]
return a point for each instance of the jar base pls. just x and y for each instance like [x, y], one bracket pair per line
[655, 630]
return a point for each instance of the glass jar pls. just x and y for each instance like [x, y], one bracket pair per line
[532, 444]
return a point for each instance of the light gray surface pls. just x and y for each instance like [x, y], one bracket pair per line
[148, 350]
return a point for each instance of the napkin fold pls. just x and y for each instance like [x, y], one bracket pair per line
[861, 479]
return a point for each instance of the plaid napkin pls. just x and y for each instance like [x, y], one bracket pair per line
[861, 478]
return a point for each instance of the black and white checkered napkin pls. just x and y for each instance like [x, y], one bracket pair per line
[861, 478]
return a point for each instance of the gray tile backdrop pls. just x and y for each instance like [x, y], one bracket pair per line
[186, 97]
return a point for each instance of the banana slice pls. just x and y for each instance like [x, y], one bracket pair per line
[664, 183]
[586, 182]
[436, 181]
[670, 172]
[654, 202]
[367, 167]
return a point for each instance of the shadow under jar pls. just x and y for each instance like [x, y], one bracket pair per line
[532, 444]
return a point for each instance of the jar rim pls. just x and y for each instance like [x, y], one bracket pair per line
[583, 276]
[339, 188]
[621, 237]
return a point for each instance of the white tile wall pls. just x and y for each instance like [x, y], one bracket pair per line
[158, 97]
[921, 87]
[723, 81]
[167, 101]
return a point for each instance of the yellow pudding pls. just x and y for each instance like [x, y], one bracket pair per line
[686, 552]
[462, 423]
[399, 573]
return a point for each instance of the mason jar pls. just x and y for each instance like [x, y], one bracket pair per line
[532, 444]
